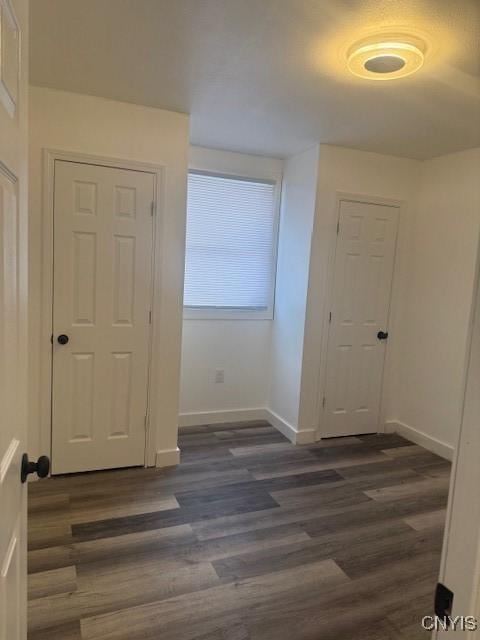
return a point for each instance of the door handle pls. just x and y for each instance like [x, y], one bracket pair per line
[382, 335]
[63, 338]
[41, 467]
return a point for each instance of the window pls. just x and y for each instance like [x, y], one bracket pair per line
[231, 246]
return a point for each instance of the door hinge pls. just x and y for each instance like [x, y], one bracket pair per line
[338, 227]
[324, 402]
[145, 422]
[152, 208]
[330, 318]
[149, 317]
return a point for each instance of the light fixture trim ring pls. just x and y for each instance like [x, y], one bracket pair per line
[403, 47]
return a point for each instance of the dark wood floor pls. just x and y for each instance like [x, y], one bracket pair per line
[250, 538]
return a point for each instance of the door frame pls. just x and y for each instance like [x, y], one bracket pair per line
[330, 275]
[50, 156]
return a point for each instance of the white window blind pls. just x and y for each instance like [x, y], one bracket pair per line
[230, 242]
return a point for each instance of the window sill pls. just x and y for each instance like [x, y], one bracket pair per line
[211, 313]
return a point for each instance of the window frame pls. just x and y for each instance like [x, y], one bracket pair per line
[243, 313]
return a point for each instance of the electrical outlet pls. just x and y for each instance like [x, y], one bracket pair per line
[219, 375]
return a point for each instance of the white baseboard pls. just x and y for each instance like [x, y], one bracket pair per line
[217, 417]
[306, 436]
[244, 415]
[420, 437]
[167, 458]
[297, 437]
[281, 425]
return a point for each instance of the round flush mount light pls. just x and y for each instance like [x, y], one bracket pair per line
[386, 57]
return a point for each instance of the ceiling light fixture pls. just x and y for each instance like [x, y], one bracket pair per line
[386, 57]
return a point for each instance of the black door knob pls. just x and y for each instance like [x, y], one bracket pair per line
[382, 335]
[41, 467]
[62, 338]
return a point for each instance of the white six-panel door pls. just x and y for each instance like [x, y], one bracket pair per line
[13, 395]
[103, 239]
[460, 565]
[363, 273]
[13, 317]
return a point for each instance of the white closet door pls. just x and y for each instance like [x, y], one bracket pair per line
[363, 272]
[460, 566]
[13, 399]
[103, 239]
[13, 318]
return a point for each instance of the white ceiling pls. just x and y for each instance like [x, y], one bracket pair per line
[268, 76]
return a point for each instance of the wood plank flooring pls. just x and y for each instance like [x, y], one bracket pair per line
[250, 538]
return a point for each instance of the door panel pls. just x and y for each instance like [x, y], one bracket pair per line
[363, 274]
[12, 429]
[103, 242]
[13, 316]
[84, 278]
[13, 395]
[460, 566]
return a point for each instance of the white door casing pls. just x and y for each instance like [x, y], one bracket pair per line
[13, 317]
[102, 300]
[362, 282]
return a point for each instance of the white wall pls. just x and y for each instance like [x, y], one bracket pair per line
[240, 347]
[89, 125]
[354, 172]
[296, 224]
[435, 307]
[431, 298]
